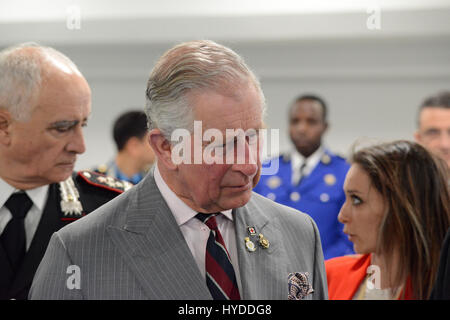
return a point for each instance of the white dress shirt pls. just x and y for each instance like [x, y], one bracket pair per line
[297, 160]
[37, 195]
[195, 232]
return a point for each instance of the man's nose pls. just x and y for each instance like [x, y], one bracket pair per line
[247, 160]
[301, 127]
[77, 144]
[444, 141]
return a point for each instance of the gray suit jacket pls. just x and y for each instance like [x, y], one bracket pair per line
[132, 248]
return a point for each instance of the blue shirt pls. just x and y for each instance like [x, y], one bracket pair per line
[121, 176]
[112, 170]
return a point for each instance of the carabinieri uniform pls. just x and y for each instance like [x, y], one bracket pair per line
[67, 201]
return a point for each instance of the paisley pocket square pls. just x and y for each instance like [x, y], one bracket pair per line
[299, 286]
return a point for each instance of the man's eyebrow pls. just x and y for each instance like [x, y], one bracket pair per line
[68, 123]
[248, 133]
[64, 124]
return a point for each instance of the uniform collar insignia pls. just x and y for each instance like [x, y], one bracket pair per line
[326, 159]
[70, 204]
[100, 180]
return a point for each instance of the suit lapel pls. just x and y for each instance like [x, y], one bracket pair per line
[48, 224]
[263, 274]
[154, 247]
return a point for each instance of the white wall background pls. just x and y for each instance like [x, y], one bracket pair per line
[373, 80]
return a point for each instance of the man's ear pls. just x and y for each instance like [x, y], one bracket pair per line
[417, 136]
[5, 126]
[162, 148]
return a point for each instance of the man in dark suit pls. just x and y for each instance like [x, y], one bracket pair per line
[191, 229]
[44, 104]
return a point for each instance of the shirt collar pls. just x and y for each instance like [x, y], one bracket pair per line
[122, 176]
[5, 192]
[311, 161]
[181, 211]
[37, 195]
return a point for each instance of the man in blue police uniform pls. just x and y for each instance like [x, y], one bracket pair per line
[44, 104]
[311, 177]
[134, 155]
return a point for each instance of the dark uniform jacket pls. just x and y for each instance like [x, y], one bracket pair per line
[92, 194]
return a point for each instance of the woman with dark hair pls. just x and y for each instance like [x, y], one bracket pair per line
[396, 214]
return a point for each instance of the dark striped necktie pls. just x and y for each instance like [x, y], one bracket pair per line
[220, 276]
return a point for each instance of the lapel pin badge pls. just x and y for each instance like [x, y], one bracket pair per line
[249, 244]
[251, 231]
[263, 241]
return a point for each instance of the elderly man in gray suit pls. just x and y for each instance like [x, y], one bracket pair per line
[193, 228]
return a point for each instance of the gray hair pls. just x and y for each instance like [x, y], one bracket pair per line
[21, 74]
[189, 66]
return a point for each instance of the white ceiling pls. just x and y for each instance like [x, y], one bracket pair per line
[168, 21]
[56, 10]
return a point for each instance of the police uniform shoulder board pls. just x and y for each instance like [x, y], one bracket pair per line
[106, 182]
[340, 156]
[71, 206]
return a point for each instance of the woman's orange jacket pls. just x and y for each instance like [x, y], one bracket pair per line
[345, 274]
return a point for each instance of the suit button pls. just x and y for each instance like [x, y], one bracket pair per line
[295, 196]
[324, 197]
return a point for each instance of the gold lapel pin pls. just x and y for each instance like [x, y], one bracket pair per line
[263, 241]
[249, 244]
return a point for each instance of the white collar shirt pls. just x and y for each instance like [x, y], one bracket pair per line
[195, 232]
[37, 195]
[297, 160]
